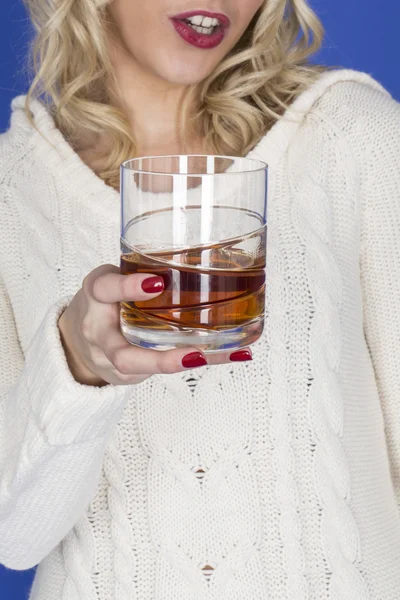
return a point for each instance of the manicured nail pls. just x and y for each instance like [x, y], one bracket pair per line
[152, 285]
[240, 355]
[194, 359]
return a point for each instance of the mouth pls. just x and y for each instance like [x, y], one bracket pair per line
[201, 28]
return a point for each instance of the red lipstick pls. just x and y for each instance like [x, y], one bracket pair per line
[201, 40]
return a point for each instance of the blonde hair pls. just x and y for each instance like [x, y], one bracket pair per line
[231, 109]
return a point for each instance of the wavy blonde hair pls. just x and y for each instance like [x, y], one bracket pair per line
[231, 109]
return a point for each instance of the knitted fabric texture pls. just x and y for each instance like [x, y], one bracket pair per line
[273, 480]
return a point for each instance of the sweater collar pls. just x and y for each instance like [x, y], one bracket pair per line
[67, 165]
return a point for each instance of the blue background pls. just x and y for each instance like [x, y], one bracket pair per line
[360, 35]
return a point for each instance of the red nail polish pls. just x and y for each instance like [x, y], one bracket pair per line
[152, 285]
[241, 355]
[194, 359]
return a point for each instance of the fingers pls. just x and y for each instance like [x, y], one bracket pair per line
[219, 358]
[104, 288]
[132, 360]
[111, 287]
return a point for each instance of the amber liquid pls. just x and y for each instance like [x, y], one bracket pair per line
[209, 288]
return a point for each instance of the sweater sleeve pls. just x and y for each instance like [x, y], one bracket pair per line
[377, 150]
[53, 433]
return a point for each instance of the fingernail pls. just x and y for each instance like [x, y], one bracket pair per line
[241, 355]
[152, 285]
[194, 359]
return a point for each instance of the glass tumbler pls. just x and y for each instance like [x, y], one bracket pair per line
[199, 222]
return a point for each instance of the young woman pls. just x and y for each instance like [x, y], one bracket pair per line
[132, 474]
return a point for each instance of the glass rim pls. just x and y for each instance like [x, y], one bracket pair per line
[263, 165]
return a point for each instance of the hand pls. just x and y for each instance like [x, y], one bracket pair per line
[95, 348]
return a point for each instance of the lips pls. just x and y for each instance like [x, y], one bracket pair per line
[186, 30]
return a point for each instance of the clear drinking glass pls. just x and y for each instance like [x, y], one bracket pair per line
[200, 223]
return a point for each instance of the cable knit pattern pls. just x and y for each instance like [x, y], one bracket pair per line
[119, 506]
[278, 365]
[264, 480]
[177, 492]
[340, 538]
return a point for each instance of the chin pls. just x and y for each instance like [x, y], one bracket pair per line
[190, 74]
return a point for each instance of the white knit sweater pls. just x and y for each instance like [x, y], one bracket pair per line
[300, 448]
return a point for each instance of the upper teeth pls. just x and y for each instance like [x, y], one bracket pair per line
[201, 21]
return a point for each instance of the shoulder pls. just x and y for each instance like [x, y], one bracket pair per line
[358, 106]
[17, 142]
[357, 122]
[341, 106]
[351, 116]
[348, 84]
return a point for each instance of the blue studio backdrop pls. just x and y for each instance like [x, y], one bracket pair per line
[360, 35]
